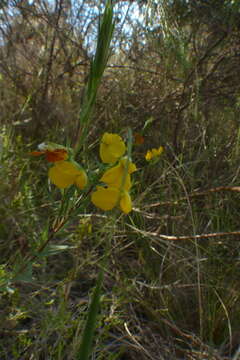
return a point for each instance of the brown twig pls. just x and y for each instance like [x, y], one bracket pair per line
[156, 234]
[184, 103]
[193, 195]
[198, 237]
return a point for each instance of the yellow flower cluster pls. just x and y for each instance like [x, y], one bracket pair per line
[117, 180]
[154, 153]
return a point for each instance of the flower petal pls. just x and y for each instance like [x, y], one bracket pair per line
[63, 174]
[52, 155]
[131, 166]
[114, 177]
[81, 180]
[160, 150]
[105, 198]
[60, 179]
[56, 155]
[37, 153]
[138, 139]
[126, 202]
[68, 167]
[148, 155]
[112, 148]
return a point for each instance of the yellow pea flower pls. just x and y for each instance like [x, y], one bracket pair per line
[151, 154]
[108, 198]
[112, 148]
[65, 173]
[114, 177]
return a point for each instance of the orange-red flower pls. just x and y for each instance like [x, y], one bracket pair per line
[52, 155]
[63, 173]
[138, 139]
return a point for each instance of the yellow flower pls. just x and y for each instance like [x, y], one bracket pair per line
[151, 154]
[112, 148]
[118, 184]
[118, 174]
[108, 198]
[65, 173]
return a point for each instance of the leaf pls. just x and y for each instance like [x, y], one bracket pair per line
[53, 250]
[25, 276]
[90, 326]
[148, 123]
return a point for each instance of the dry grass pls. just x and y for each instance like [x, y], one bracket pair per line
[171, 284]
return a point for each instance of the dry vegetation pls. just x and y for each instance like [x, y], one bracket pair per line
[171, 284]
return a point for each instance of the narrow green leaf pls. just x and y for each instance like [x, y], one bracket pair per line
[85, 348]
[97, 68]
[26, 276]
[53, 250]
